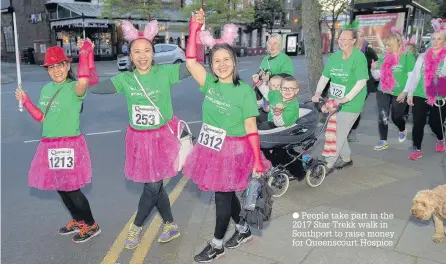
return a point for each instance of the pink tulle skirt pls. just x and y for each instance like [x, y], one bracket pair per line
[56, 167]
[151, 155]
[222, 171]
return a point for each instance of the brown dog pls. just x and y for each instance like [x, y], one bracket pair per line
[427, 203]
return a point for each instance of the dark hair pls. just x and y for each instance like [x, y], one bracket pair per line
[70, 75]
[289, 78]
[285, 75]
[132, 65]
[231, 51]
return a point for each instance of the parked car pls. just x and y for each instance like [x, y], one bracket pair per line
[164, 54]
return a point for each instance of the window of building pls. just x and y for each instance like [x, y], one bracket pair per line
[9, 39]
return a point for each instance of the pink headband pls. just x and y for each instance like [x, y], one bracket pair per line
[395, 30]
[230, 33]
[131, 33]
[436, 24]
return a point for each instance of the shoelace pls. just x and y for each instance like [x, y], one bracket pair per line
[84, 229]
[133, 234]
[71, 224]
[166, 228]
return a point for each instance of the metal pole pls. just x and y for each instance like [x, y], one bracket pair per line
[17, 59]
[83, 25]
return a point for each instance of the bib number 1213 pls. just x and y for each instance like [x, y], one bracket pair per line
[61, 158]
[211, 137]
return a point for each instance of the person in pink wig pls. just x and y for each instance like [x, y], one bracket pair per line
[426, 91]
[62, 160]
[151, 143]
[228, 148]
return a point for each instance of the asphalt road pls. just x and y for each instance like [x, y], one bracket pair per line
[31, 218]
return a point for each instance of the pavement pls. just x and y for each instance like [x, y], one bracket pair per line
[368, 203]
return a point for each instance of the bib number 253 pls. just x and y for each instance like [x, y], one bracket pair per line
[145, 115]
[211, 137]
[61, 158]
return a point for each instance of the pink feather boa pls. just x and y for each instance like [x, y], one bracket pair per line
[387, 80]
[431, 65]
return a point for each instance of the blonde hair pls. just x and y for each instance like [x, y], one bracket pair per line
[442, 34]
[276, 37]
[394, 37]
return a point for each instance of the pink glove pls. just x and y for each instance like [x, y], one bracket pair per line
[191, 47]
[33, 110]
[254, 141]
[86, 67]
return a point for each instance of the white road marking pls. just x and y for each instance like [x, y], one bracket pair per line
[102, 133]
[194, 122]
[243, 70]
[29, 141]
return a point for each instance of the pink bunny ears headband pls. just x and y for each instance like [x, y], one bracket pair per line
[436, 24]
[230, 33]
[131, 33]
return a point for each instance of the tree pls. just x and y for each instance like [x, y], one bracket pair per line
[222, 12]
[333, 8]
[442, 10]
[267, 12]
[312, 41]
[140, 9]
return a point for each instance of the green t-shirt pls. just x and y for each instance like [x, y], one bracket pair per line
[274, 97]
[227, 106]
[344, 74]
[420, 90]
[157, 84]
[291, 112]
[62, 119]
[277, 65]
[400, 72]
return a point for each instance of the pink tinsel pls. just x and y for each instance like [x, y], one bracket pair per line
[230, 33]
[387, 80]
[131, 33]
[431, 65]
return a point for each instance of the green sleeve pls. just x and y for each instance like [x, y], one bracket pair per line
[249, 103]
[172, 72]
[291, 114]
[39, 102]
[208, 83]
[327, 68]
[380, 62]
[410, 62]
[118, 82]
[287, 65]
[360, 69]
[273, 97]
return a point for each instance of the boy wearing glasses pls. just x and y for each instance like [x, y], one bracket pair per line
[283, 104]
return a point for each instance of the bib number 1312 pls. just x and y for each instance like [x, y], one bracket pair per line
[211, 137]
[61, 158]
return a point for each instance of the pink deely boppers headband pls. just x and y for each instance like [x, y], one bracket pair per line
[131, 33]
[437, 26]
[230, 33]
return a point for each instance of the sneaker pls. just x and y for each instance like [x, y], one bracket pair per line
[238, 238]
[352, 136]
[86, 233]
[440, 146]
[133, 237]
[382, 145]
[209, 253]
[416, 154]
[72, 227]
[343, 164]
[170, 232]
[402, 136]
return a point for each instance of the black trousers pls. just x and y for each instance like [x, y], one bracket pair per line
[78, 206]
[356, 124]
[420, 111]
[153, 195]
[227, 206]
[385, 101]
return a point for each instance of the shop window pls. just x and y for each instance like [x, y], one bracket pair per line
[9, 39]
[63, 12]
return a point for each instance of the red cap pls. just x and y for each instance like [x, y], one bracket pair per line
[55, 55]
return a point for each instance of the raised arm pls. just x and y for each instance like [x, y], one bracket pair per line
[86, 70]
[197, 70]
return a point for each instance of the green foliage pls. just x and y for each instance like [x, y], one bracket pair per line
[266, 11]
[141, 9]
[222, 12]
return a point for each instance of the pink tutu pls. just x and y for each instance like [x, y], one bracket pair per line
[151, 155]
[222, 171]
[61, 169]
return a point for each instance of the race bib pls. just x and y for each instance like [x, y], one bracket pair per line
[212, 137]
[143, 115]
[337, 90]
[61, 159]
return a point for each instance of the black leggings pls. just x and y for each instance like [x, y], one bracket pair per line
[398, 112]
[420, 111]
[227, 205]
[78, 205]
[154, 195]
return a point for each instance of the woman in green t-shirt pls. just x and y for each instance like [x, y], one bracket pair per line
[392, 71]
[151, 142]
[228, 146]
[348, 74]
[429, 69]
[62, 160]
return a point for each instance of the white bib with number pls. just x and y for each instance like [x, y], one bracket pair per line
[337, 90]
[212, 137]
[143, 115]
[61, 159]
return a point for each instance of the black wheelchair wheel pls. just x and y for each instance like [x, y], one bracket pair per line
[279, 181]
